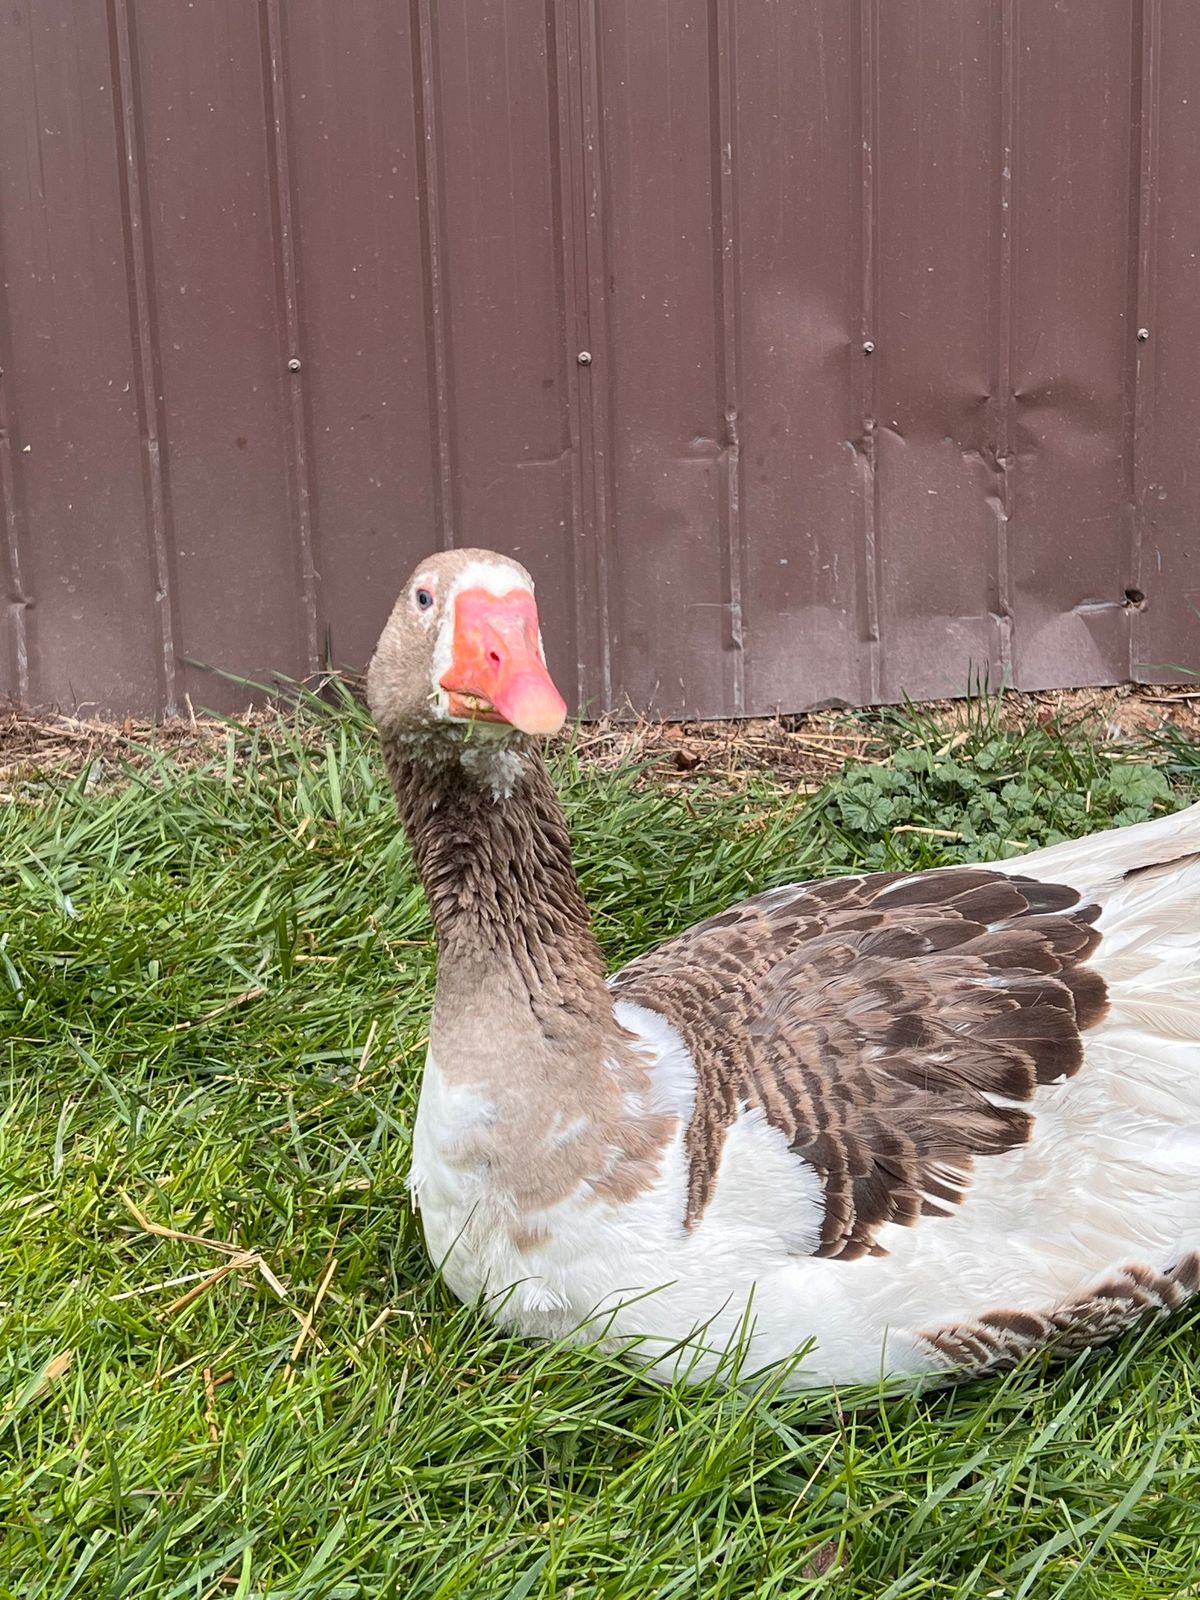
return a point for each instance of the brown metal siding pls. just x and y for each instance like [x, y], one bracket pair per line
[290, 293]
[79, 611]
[1069, 536]
[1167, 413]
[801, 173]
[936, 217]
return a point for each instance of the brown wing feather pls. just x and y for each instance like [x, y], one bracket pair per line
[878, 1021]
[1000, 1338]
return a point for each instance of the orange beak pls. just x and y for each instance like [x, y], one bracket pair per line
[497, 673]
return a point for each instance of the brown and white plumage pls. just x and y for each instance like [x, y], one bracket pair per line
[893, 1027]
[925, 1121]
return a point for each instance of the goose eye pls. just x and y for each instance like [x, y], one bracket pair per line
[424, 599]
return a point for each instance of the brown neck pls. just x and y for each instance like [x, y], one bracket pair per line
[512, 927]
[522, 1014]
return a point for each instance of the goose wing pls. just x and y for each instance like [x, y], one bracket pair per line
[895, 1027]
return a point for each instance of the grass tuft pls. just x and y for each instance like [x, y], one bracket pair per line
[226, 1366]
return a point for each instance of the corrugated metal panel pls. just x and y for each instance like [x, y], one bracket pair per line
[492, 126]
[212, 166]
[1167, 417]
[1073, 342]
[357, 166]
[80, 586]
[661, 362]
[938, 302]
[796, 348]
[803, 175]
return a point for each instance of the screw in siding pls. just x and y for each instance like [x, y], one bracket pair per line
[294, 364]
[1143, 335]
[868, 347]
[584, 358]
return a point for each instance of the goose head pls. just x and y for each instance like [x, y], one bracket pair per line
[461, 654]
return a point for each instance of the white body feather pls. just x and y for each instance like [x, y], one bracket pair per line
[1110, 1177]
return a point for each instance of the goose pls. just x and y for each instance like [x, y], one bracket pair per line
[884, 1126]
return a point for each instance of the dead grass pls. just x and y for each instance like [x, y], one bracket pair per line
[807, 749]
[39, 745]
[801, 750]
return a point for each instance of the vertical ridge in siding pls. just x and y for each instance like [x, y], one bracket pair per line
[15, 601]
[429, 179]
[1144, 223]
[1003, 455]
[596, 382]
[288, 290]
[866, 67]
[144, 332]
[725, 155]
[570, 290]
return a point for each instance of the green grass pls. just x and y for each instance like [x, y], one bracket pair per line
[213, 989]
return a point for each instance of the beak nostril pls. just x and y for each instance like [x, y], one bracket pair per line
[494, 657]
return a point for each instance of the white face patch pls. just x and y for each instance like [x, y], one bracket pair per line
[496, 577]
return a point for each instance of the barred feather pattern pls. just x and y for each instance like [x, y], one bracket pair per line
[894, 1027]
[1000, 1339]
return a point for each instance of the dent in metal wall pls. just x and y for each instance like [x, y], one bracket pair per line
[805, 353]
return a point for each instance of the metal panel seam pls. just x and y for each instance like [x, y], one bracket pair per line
[1140, 328]
[15, 600]
[597, 388]
[429, 179]
[1003, 400]
[289, 296]
[570, 331]
[867, 57]
[144, 334]
[722, 120]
